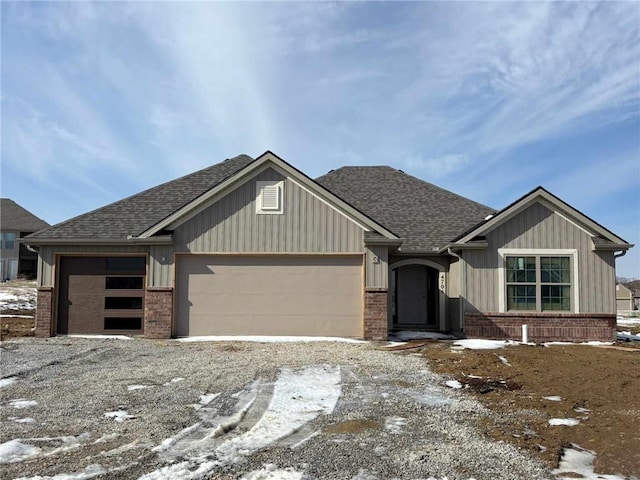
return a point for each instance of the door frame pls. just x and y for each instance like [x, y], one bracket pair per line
[442, 288]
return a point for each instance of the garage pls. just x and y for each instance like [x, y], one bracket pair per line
[101, 295]
[317, 295]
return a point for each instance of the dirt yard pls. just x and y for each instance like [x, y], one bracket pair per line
[599, 387]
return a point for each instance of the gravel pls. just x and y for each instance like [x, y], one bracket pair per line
[394, 417]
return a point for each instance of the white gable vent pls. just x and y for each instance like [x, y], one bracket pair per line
[269, 196]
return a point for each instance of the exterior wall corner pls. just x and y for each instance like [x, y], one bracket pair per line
[44, 312]
[375, 314]
[158, 312]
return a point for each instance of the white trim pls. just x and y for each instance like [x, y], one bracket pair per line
[573, 223]
[502, 252]
[442, 286]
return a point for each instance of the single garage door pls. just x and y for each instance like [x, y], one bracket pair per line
[269, 295]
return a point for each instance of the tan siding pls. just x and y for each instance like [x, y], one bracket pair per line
[46, 261]
[161, 266]
[231, 225]
[540, 228]
[377, 274]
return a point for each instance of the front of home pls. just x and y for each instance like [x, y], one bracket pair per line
[255, 247]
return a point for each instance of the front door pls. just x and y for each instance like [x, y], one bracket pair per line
[416, 297]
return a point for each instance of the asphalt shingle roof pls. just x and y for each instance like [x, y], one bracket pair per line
[15, 217]
[424, 215]
[135, 214]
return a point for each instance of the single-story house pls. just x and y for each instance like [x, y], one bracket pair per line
[17, 222]
[624, 298]
[256, 247]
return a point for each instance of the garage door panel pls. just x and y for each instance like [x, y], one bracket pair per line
[270, 295]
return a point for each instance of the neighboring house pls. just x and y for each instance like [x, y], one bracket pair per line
[624, 298]
[255, 247]
[16, 222]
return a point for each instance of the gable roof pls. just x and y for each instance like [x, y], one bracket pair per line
[139, 212]
[603, 238]
[424, 215]
[15, 217]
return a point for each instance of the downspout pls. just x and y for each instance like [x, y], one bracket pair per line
[621, 254]
[463, 285]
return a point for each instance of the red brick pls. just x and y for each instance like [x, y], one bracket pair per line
[44, 312]
[158, 312]
[375, 314]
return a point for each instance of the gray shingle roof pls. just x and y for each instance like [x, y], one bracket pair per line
[137, 213]
[15, 217]
[424, 215]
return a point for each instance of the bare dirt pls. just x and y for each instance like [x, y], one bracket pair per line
[600, 387]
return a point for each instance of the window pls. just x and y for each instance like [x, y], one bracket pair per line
[10, 241]
[538, 283]
[126, 264]
[123, 303]
[269, 197]
[123, 323]
[124, 283]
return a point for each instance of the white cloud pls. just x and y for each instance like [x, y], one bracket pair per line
[436, 166]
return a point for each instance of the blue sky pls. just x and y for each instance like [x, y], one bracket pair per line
[102, 100]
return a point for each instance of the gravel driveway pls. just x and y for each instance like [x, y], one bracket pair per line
[122, 409]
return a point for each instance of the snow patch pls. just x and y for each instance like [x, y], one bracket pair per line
[272, 472]
[15, 451]
[553, 398]
[173, 380]
[131, 388]
[119, 415]
[22, 403]
[453, 384]
[89, 472]
[577, 460]
[265, 339]
[628, 337]
[23, 420]
[480, 344]
[504, 360]
[5, 382]
[395, 424]
[569, 422]
[207, 398]
[98, 337]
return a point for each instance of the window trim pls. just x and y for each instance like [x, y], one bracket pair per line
[549, 252]
[260, 185]
[10, 237]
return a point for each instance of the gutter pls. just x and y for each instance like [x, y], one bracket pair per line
[463, 246]
[159, 240]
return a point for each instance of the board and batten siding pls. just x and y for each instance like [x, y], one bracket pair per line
[377, 267]
[538, 227]
[307, 224]
[47, 256]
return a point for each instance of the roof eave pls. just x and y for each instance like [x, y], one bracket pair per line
[456, 246]
[159, 240]
[613, 247]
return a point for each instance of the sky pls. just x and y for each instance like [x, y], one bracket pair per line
[102, 100]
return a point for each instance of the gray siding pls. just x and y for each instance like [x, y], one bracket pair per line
[161, 266]
[538, 227]
[47, 256]
[231, 224]
[377, 274]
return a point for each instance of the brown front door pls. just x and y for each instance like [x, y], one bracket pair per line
[100, 295]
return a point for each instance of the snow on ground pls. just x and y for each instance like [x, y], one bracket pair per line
[628, 321]
[207, 398]
[553, 398]
[131, 388]
[98, 337]
[453, 384]
[628, 337]
[23, 420]
[569, 422]
[266, 339]
[395, 424]
[22, 403]
[503, 360]
[16, 451]
[299, 396]
[119, 415]
[480, 344]
[406, 335]
[5, 382]
[17, 296]
[173, 380]
[272, 472]
[577, 460]
[89, 472]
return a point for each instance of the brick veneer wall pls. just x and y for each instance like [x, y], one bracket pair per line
[375, 314]
[542, 327]
[158, 312]
[44, 312]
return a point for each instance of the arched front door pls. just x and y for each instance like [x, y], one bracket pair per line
[415, 297]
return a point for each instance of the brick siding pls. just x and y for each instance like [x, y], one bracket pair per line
[158, 312]
[375, 314]
[542, 327]
[44, 312]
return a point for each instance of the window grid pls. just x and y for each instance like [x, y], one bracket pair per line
[538, 283]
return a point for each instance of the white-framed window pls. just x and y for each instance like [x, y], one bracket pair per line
[10, 241]
[540, 280]
[269, 196]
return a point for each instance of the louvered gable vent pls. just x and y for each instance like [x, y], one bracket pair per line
[269, 196]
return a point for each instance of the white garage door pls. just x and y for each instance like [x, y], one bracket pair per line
[269, 295]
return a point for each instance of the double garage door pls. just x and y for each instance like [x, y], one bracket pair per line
[269, 295]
